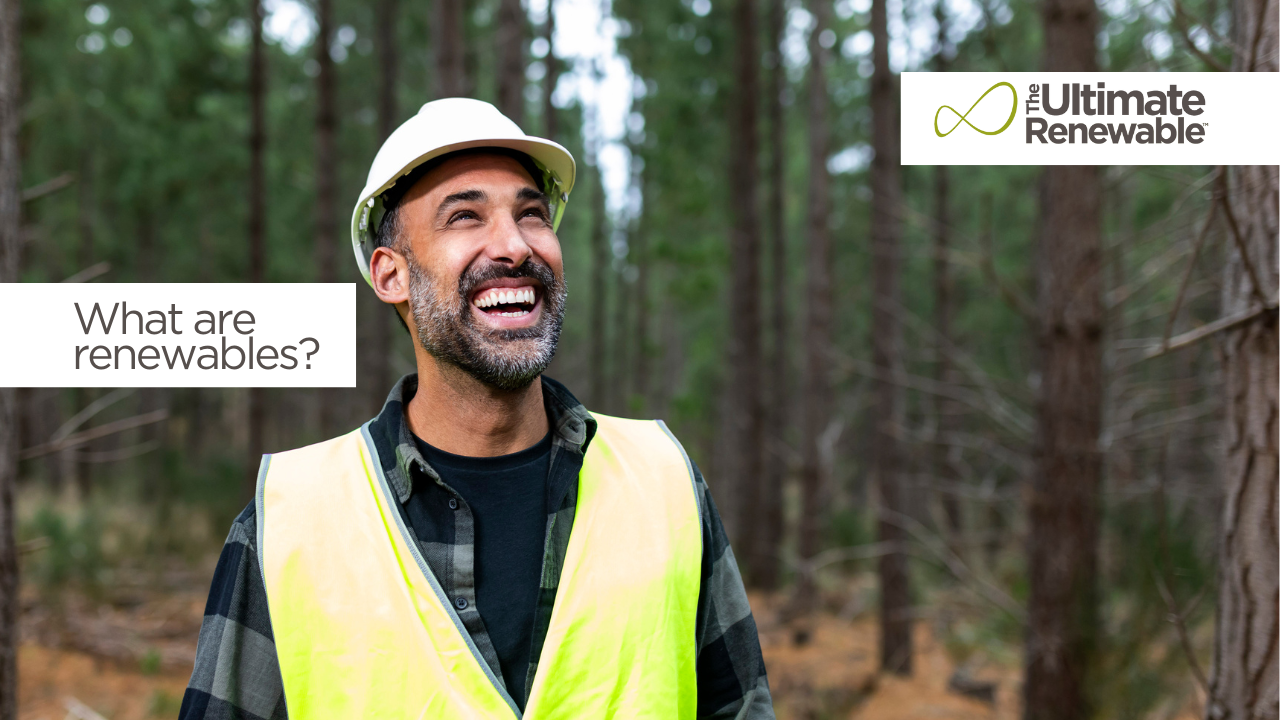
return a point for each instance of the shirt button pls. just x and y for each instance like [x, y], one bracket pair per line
[453, 503]
[461, 603]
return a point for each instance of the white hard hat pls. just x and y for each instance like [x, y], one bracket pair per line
[442, 127]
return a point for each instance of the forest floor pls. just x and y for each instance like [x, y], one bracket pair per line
[129, 657]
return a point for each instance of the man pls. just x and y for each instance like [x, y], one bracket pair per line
[485, 547]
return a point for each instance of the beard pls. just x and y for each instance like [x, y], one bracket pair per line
[505, 359]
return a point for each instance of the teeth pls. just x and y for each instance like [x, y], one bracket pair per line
[489, 298]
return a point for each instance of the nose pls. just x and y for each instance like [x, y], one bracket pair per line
[507, 243]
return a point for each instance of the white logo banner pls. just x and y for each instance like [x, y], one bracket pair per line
[1041, 118]
[178, 335]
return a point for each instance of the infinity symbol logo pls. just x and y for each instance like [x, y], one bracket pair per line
[1013, 109]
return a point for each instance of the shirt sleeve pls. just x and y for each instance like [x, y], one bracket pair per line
[236, 673]
[731, 677]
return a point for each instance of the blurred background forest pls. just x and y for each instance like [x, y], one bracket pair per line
[989, 441]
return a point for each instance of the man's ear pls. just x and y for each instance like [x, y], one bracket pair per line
[389, 273]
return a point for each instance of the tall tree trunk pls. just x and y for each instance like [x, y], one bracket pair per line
[743, 424]
[947, 409]
[549, 127]
[379, 365]
[257, 222]
[618, 380]
[886, 349]
[599, 291]
[149, 399]
[82, 472]
[767, 540]
[817, 326]
[1245, 674]
[326, 175]
[10, 254]
[326, 170]
[510, 37]
[1063, 513]
[640, 370]
[448, 34]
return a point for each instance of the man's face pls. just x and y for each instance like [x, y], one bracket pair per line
[486, 277]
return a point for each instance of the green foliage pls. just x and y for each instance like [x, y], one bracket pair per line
[1143, 662]
[149, 664]
[71, 552]
[162, 704]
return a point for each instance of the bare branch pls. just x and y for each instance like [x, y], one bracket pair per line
[1179, 621]
[1010, 418]
[1186, 275]
[90, 273]
[1241, 248]
[971, 369]
[1180, 21]
[110, 428]
[985, 588]
[48, 187]
[1207, 26]
[108, 456]
[1176, 616]
[1190, 338]
[88, 412]
[986, 264]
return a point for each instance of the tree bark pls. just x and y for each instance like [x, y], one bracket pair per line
[886, 349]
[1245, 671]
[550, 126]
[10, 253]
[510, 38]
[764, 559]
[326, 172]
[817, 325]
[81, 472]
[257, 222]
[379, 356]
[948, 410]
[618, 380]
[599, 292]
[640, 371]
[1063, 513]
[743, 426]
[448, 31]
[326, 147]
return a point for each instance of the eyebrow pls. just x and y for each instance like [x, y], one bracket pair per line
[528, 193]
[460, 197]
[474, 195]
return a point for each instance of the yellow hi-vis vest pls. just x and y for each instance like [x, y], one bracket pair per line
[363, 630]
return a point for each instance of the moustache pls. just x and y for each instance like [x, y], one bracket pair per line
[534, 269]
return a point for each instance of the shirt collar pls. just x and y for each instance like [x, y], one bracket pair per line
[572, 428]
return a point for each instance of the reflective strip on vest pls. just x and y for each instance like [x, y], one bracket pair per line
[363, 629]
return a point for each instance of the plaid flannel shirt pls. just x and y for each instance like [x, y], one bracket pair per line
[237, 674]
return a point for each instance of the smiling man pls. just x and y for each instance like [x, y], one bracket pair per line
[485, 547]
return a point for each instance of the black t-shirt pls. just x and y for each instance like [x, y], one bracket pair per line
[508, 499]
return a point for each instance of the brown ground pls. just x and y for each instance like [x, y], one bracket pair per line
[825, 666]
[47, 678]
[126, 655]
[132, 662]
